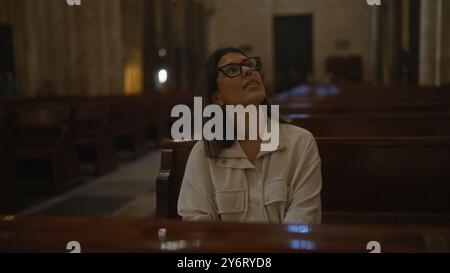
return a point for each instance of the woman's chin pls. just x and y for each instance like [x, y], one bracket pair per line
[254, 100]
[255, 96]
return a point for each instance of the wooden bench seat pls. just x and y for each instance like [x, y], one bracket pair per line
[363, 94]
[364, 108]
[52, 234]
[386, 175]
[10, 195]
[365, 125]
[94, 136]
[362, 177]
[46, 136]
[128, 122]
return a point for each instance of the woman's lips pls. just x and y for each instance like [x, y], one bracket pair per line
[251, 84]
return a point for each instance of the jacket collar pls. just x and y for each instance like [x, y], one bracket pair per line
[235, 157]
[236, 151]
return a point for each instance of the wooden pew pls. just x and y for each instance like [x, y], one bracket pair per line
[9, 191]
[128, 122]
[363, 94]
[358, 98]
[45, 146]
[95, 136]
[364, 108]
[390, 93]
[370, 180]
[156, 115]
[51, 234]
[174, 156]
[135, 119]
[366, 125]
[347, 69]
[158, 107]
[386, 175]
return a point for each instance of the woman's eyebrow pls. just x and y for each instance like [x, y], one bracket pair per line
[233, 63]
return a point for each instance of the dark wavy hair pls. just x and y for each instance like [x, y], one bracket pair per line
[208, 85]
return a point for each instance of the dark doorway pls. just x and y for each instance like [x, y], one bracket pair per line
[293, 50]
[6, 49]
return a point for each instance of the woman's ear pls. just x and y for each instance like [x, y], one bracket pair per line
[217, 98]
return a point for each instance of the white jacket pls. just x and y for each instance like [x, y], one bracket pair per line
[282, 186]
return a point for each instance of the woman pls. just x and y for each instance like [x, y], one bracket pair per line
[236, 181]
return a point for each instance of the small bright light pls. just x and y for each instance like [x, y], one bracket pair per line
[299, 228]
[162, 76]
[162, 52]
[162, 233]
[303, 244]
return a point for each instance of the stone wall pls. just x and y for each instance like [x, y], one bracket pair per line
[249, 23]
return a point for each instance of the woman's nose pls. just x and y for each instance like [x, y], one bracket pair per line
[246, 70]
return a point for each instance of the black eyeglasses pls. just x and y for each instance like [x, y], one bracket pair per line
[234, 70]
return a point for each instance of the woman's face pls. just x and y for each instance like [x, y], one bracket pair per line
[246, 89]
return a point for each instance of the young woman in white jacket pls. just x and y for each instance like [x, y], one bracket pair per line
[234, 180]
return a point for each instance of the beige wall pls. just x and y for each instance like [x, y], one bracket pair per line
[249, 22]
[335, 20]
[242, 23]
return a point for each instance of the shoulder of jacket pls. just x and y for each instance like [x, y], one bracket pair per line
[198, 152]
[295, 133]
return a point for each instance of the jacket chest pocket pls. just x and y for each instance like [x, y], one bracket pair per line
[275, 199]
[275, 191]
[230, 204]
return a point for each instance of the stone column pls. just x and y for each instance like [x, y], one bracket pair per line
[31, 48]
[389, 42]
[376, 41]
[149, 47]
[430, 42]
[114, 47]
[394, 40]
[56, 56]
[132, 13]
[188, 61]
[5, 11]
[445, 56]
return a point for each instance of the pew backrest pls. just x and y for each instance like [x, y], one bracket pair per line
[360, 175]
[379, 125]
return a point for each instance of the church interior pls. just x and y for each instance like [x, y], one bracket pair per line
[87, 88]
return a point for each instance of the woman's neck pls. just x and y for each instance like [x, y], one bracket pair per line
[251, 148]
